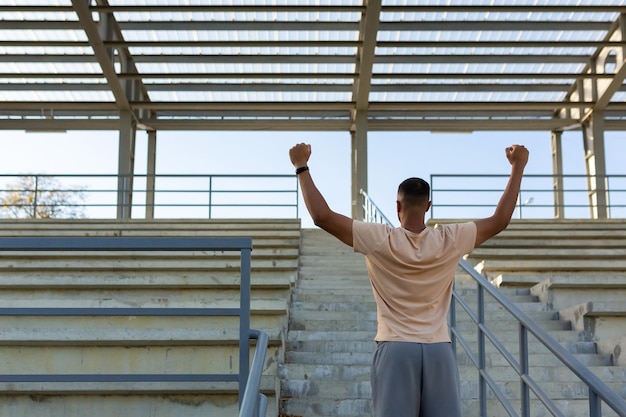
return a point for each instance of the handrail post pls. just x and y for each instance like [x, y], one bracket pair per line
[523, 361]
[595, 406]
[482, 386]
[210, 195]
[253, 402]
[35, 197]
[452, 315]
[244, 322]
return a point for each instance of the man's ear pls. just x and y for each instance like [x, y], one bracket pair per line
[398, 206]
[430, 203]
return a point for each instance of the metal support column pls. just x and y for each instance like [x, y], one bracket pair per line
[126, 165]
[557, 172]
[595, 161]
[359, 163]
[150, 177]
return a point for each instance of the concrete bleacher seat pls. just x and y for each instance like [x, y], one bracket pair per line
[530, 250]
[137, 345]
[602, 322]
[563, 291]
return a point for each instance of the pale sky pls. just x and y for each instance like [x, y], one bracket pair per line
[392, 157]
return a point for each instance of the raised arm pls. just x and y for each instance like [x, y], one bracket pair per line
[336, 224]
[491, 226]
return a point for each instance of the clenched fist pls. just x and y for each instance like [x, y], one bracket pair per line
[517, 155]
[300, 155]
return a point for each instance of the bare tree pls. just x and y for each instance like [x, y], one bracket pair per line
[41, 197]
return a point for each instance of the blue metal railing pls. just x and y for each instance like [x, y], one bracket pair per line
[371, 212]
[475, 196]
[599, 392]
[145, 196]
[252, 403]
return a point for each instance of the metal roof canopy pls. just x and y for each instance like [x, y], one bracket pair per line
[310, 65]
[317, 65]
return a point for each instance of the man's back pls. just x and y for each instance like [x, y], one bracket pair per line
[412, 277]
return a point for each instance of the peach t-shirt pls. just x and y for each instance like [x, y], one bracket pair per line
[412, 275]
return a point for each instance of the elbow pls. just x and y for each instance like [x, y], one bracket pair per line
[320, 219]
[502, 223]
[497, 224]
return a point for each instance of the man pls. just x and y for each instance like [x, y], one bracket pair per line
[411, 269]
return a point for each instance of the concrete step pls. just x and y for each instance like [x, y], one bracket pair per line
[328, 372]
[313, 407]
[559, 240]
[120, 264]
[569, 407]
[124, 336]
[511, 345]
[361, 316]
[559, 373]
[363, 358]
[127, 360]
[542, 359]
[538, 253]
[141, 279]
[140, 227]
[145, 299]
[170, 403]
[258, 321]
[330, 389]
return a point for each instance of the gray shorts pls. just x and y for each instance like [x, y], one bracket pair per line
[415, 380]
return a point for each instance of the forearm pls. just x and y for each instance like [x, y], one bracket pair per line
[313, 199]
[506, 206]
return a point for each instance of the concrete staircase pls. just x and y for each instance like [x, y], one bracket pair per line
[139, 345]
[332, 325]
[331, 333]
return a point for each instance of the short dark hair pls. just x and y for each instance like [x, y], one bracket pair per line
[414, 191]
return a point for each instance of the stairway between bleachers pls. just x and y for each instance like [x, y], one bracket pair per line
[332, 325]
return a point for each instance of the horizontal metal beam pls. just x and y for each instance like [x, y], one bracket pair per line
[461, 125]
[300, 75]
[482, 106]
[54, 87]
[374, 124]
[58, 125]
[240, 106]
[252, 125]
[313, 58]
[302, 87]
[241, 25]
[185, 86]
[440, 45]
[232, 8]
[511, 8]
[62, 105]
[264, 106]
[600, 8]
[324, 26]
[176, 44]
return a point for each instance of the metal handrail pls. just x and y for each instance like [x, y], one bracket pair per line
[371, 212]
[200, 195]
[598, 390]
[476, 195]
[254, 403]
[246, 378]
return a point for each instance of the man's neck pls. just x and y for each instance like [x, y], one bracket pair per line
[415, 224]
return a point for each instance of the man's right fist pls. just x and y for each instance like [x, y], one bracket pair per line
[517, 154]
[300, 154]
